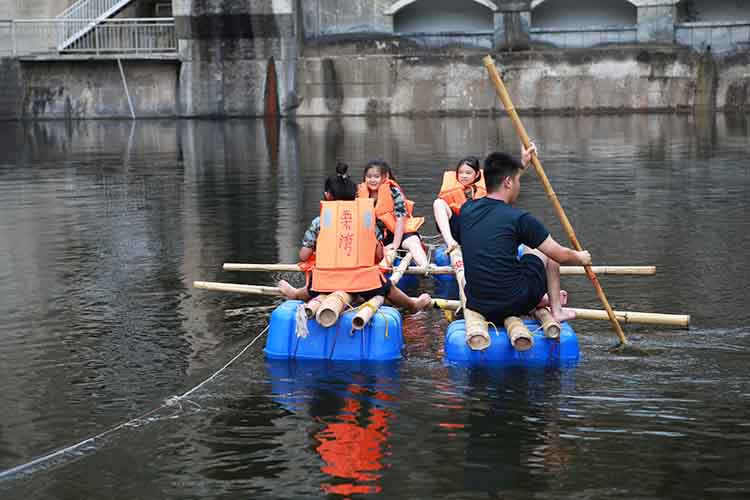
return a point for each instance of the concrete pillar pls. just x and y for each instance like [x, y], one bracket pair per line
[225, 47]
[656, 20]
[512, 23]
[11, 85]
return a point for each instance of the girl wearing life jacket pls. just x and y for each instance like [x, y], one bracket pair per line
[365, 279]
[393, 210]
[465, 183]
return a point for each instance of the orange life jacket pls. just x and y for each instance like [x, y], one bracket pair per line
[345, 249]
[453, 192]
[384, 207]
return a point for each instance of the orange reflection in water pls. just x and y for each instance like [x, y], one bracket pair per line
[352, 451]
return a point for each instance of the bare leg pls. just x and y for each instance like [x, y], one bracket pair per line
[563, 299]
[399, 298]
[443, 213]
[292, 293]
[552, 269]
[414, 245]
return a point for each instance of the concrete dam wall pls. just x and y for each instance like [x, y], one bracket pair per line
[355, 57]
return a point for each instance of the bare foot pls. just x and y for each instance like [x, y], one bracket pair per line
[423, 302]
[563, 314]
[288, 290]
[563, 299]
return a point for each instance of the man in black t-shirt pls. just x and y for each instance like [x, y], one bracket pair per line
[498, 284]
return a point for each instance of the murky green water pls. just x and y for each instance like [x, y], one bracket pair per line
[104, 226]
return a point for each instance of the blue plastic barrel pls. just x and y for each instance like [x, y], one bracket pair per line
[441, 258]
[381, 340]
[544, 350]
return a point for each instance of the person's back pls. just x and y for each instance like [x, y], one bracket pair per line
[490, 233]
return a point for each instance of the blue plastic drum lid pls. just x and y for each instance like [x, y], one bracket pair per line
[380, 340]
[544, 350]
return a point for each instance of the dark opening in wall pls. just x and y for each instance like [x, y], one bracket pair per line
[714, 10]
[434, 16]
[583, 13]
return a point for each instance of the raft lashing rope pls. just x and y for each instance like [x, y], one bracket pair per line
[92, 444]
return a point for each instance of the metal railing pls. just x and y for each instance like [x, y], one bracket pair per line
[83, 15]
[585, 36]
[127, 36]
[720, 36]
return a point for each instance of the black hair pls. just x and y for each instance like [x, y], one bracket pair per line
[498, 166]
[340, 185]
[382, 165]
[473, 162]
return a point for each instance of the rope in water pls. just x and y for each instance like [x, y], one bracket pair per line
[91, 441]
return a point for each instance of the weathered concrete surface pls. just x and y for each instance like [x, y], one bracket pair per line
[11, 89]
[656, 23]
[733, 85]
[94, 89]
[389, 78]
[512, 22]
[226, 47]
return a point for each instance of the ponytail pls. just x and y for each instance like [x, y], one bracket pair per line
[340, 185]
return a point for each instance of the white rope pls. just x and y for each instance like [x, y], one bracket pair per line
[135, 422]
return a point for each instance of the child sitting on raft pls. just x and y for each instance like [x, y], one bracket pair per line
[340, 187]
[465, 183]
[393, 211]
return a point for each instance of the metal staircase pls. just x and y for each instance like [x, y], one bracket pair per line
[83, 16]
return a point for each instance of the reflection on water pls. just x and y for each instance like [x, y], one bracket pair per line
[104, 226]
[352, 405]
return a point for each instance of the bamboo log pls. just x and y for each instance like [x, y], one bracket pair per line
[634, 317]
[476, 333]
[508, 104]
[519, 336]
[551, 327]
[235, 288]
[628, 317]
[312, 305]
[399, 270]
[366, 312]
[433, 269]
[330, 309]
[369, 308]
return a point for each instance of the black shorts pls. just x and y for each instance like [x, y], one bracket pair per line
[534, 279]
[366, 295]
[388, 238]
[454, 223]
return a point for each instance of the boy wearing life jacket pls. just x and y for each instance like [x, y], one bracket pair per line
[393, 210]
[350, 249]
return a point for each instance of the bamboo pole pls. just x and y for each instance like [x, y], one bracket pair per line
[235, 288]
[626, 317]
[369, 308]
[477, 336]
[508, 104]
[311, 306]
[330, 309]
[550, 326]
[433, 269]
[519, 336]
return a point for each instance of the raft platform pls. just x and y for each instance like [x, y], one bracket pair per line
[381, 340]
[500, 352]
